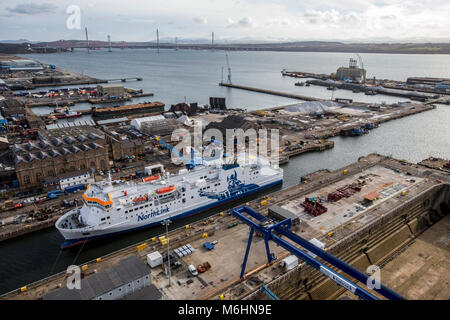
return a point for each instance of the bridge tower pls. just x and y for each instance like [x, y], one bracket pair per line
[87, 40]
[157, 39]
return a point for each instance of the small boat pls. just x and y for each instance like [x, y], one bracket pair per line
[152, 178]
[68, 114]
[165, 190]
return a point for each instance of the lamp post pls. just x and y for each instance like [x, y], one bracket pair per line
[166, 223]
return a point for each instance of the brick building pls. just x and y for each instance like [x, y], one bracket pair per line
[123, 145]
[59, 151]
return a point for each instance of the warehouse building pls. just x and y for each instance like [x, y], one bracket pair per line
[59, 151]
[21, 65]
[155, 125]
[124, 144]
[11, 108]
[108, 90]
[129, 279]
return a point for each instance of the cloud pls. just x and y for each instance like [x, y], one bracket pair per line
[331, 17]
[389, 17]
[33, 8]
[278, 22]
[244, 22]
[200, 20]
[256, 19]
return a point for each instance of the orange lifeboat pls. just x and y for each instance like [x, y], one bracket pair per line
[152, 178]
[141, 198]
[165, 190]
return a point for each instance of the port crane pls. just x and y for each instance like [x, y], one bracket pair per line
[269, 293]
[362, 66]
[275, 231]
[229, 70]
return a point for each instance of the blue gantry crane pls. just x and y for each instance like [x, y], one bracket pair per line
[269, 293]
[274, 232]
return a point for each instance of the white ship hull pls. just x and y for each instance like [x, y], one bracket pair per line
[216, 187]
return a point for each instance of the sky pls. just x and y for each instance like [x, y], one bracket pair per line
[230, 20]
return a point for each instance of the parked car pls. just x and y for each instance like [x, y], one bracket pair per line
[192, 270]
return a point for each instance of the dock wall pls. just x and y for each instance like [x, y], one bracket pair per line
[274, 93]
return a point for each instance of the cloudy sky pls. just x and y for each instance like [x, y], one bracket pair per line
[268, 20]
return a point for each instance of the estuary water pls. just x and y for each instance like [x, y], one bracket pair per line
[193, 76]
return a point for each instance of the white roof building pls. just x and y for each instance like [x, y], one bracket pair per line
[137, 123]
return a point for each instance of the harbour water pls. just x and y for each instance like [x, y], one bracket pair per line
[193, 75]
[173, 75]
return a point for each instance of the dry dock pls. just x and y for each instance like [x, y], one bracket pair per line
[381, 224]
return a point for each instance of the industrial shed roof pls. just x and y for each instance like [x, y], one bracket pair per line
[126, 271]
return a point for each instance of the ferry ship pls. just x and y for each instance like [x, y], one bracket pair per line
[110, 209]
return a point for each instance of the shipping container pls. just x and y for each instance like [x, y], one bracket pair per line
[71, 189]
[154, 259]
[289, 262]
